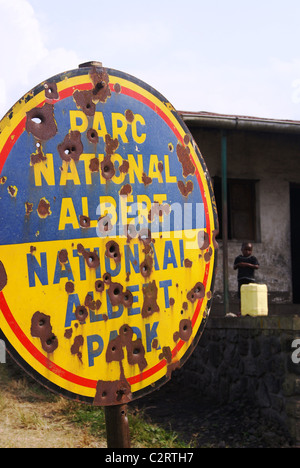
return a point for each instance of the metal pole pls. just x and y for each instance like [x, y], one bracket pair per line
[224, 220]
[117, 427]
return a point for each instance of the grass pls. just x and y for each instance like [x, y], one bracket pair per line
[31, 416]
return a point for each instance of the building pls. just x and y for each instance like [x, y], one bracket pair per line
[254, 165]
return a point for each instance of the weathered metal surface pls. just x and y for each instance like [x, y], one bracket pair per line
[107, 236]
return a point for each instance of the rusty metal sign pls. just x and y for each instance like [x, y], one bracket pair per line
[107, 236]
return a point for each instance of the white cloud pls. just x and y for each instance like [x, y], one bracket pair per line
[25, 58]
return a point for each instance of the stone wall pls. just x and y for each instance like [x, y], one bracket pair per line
[250, 358]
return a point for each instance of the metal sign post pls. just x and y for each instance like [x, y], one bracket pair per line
[107, 236]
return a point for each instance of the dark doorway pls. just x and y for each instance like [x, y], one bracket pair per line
[295, 240]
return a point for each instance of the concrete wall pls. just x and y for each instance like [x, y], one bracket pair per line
[273, 160]
[250, 358]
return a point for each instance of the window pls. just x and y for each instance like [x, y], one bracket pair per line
[242, 208]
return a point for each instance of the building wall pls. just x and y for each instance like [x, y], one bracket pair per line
[274, 160]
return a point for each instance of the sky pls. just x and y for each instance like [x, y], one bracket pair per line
[225, 56]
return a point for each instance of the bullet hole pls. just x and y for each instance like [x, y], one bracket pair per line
[185, 330]
[3, 277]
[185, 189]
[92, 135]
[101, 89]
[107, 278]
[3, 179]
[91, 258]
[51, 90]
[43, 208]
[146, 266]
[112, 392]
[71, 147]
[99, 286]
[197, 292]
[84, 101]
[115, 293]
[84, 221]
[113, 251]
[127, 299]
[41, 328]
[107, 168]
[81, 314]
[41, 123]
[183, 154]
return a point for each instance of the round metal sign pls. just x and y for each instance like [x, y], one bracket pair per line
[107, 236]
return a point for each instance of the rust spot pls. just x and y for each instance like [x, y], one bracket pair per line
[38, 156]
[215, 243]
[63, 256]
[117, 88]
[203, 240]
[12, 190]
[185, 305]
[91, 258]
[81, 314]
[198, 292]
[186, 139]
[188, 263]
[112, 392]
[130, 232]
[183, 154]
[92, 135]
[185, 189]
[41, 123]
[68, 333]
[150, 299]
[146, 266]
[172, 301]
[166, 354]
[91, 304]
[129, 116]
[145, 238]
[41, 328]
[113, 251]
[171, 367]
[3, 276]
[28, 208]
[71, 147]
[43, 208]
[84, 221]
[126, 190]
[124, 168]
[84, 100]
[158, 209]
[94, 165]
[146, 180]
[69, 287]
[3, 179]
[51, 90]
[160, 167]
[208, 254]
[32, 249]
[155, 343]
[110, 144]
[75, 348]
